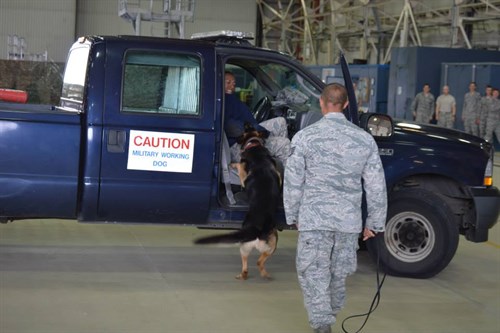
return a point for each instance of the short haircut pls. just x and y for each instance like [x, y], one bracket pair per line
[334, 93]
[426, 84]
[472, 82]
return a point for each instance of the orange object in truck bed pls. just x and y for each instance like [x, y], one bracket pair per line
[15, 96]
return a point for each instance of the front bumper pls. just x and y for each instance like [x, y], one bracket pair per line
[487, 204]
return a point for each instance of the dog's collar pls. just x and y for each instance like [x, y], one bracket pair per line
[253, 142]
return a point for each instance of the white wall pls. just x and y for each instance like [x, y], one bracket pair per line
[101, 17]
[45, 25]
[240, 15]
[53, 25]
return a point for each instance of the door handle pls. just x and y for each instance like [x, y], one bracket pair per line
[116, 141]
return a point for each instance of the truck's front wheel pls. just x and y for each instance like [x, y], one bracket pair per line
[420, 238]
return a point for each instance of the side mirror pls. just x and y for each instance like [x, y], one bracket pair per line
[378, 125]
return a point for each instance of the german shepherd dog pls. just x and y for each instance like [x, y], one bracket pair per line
[262, 182]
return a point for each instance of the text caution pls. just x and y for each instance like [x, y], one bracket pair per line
[157, 151]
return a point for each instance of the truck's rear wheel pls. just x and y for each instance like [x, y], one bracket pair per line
[420, 238]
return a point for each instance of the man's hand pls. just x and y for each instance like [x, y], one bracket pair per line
[367, 233]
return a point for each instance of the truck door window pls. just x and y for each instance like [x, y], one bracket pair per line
[163, 83]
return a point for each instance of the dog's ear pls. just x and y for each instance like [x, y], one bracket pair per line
[249, 127]
[263, 134]
[241, 139]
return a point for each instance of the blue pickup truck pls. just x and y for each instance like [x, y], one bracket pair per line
[137, 137]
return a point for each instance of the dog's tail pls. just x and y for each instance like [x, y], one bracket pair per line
[239, 236]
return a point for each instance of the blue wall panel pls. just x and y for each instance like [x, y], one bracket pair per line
[411, 67]
[458, 76]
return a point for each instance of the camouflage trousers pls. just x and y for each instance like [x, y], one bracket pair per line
[492, 127]
[277, 143]
[423, 118]
[483, 117]
[446, 120]
[482, 130]
[324, 260]
[471, 126]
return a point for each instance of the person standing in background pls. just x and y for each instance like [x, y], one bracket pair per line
[446, 109]
[486, 105]
[493, 118]
[471, 110]
[423, 105]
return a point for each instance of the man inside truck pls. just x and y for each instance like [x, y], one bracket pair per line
[236, 114]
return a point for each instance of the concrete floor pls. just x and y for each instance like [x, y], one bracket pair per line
[61, 276]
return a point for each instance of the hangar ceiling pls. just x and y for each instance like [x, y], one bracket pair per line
[315, 30]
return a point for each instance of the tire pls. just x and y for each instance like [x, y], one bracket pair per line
[421, 236]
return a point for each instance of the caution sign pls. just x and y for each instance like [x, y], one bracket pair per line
[157, 151]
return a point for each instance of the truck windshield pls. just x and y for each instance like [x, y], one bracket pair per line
[74, 79]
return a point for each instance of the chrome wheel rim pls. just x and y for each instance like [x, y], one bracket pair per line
[409, 237]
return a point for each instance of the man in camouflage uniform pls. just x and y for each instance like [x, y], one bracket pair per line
[322, 197]
[237, 114]
[423, 105]
[493, 118]
[471, 110]
[486, 106]
[446, 109]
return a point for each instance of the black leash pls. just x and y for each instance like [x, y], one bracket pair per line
[376, 298]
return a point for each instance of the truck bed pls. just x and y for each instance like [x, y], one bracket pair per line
[39, 164]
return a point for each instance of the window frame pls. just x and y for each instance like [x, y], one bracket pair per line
[198, 56]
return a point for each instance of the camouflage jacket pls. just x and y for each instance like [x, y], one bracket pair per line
[323, 178]
[472, 105]
[423, 104]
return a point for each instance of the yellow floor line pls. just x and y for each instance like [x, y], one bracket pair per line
[493, 244]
